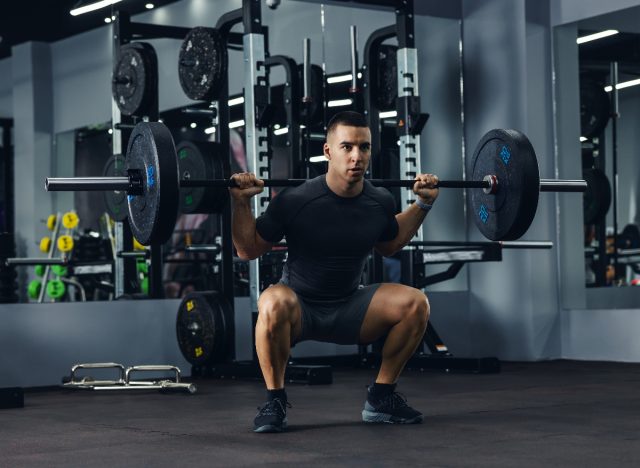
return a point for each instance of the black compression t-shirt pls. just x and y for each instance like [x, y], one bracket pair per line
[328, 237]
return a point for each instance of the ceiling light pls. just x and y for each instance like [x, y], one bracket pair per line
[149, 6]
[237, 123]
[388, 114]
[107, 20]
[600, 35]
[209, 130]
[339, 103]
[624, 84]
[236, 101]
[316, 159]
[281, 131]
[193, 125]
[92, 7]
[110, 131]
[339, 78]
[583, 139]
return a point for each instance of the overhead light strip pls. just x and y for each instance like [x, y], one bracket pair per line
[317, 159]
[624, 84]
[600, 35]
[92, 7]
[339, 78]
[339, 103]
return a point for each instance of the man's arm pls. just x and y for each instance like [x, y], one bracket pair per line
[410, 220]
[247, 241]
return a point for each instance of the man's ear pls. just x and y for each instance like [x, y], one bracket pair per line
[325, 150]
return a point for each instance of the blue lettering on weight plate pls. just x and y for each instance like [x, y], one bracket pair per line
[484, 214]
[505, 154]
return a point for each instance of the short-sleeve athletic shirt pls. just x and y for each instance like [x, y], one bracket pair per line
[328, 237]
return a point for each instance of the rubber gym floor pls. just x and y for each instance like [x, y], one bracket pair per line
[555, 413]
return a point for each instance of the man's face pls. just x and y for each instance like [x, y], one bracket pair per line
[348, 150]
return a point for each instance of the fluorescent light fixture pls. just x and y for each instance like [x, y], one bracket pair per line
[339, 103]
[236, 123]
[281, 131]
[149, 6]
[600, 35]
[210, 130]
[316, 159]
[92, 7]
[624, 84]
[339, 78]
[236, 101]
[107, 20]
[193, 125]
[583, 139]
[388, 114]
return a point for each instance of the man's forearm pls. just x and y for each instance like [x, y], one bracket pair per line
[409, 221]
[243, 228]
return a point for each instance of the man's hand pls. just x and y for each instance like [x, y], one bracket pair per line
[248, 185]
[424, 188]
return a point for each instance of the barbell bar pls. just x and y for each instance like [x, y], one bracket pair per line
[504, 166]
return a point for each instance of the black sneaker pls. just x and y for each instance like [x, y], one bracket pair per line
[392, 409]
[272, 417]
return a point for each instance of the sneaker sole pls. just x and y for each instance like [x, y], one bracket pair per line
[373, 417]
[271, 428]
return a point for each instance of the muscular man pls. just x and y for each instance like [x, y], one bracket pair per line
[331, 223]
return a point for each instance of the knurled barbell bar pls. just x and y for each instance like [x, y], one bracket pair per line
[504, 165]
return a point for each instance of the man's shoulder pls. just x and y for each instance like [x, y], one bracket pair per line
[379, 194]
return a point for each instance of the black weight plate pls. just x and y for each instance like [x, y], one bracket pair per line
[115, 200]
[316, 106]
[386, 77]
[506, 215]
[202, 64]
[135, 78]
[202, 160]
[629, 238]
[200, 327]
[153, 215]
[597, 197]
[594, 108]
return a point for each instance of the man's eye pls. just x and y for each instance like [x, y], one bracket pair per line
[347, 147]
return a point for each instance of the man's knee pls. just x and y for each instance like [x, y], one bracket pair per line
[417, 309]
[276, 306]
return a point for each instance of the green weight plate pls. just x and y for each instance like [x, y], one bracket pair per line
[202, 64]
[507, 214]
[33, 289]
[142, 267]
[56, 289]
[152, 153]
[200, 327]
[59, 270]
[144, 285]
[597, 197]
[115, 200]
[202, 160]
[135, 78]
[39, 270]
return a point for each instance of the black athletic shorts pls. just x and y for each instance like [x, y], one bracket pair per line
[336, 321]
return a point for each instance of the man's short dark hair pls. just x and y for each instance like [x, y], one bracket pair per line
[348, 118]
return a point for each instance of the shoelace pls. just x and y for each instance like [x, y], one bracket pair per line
[394, 400]
[273, 407]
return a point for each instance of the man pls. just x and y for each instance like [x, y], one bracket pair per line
[331, 223]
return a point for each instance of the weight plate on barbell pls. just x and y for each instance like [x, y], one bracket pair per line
[507, 214]
[202, 64]
[202, 160]
[115, 200]
[629, 238]
[135, 78]
[386, 77]
[200, 327]
[151, 152]
[594, 108]
[597, 197]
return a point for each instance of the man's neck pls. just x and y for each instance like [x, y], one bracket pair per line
[342, 188]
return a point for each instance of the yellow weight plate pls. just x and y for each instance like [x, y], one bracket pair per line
[137, 245]
[65, 243]
[70, 220]
[51, 222]
[45, 244]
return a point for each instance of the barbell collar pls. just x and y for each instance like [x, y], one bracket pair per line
[131, 184]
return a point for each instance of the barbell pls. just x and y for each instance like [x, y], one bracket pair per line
[504, 167]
